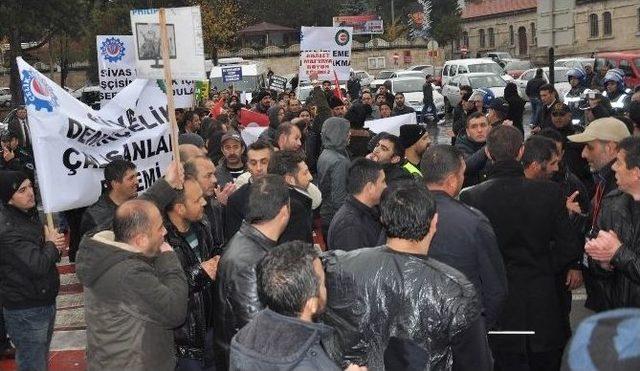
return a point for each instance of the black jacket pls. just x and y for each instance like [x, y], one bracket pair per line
[427, 93]
[300, 226]
[475, 158]
[28, 274]
[516, 111]
[621, 214]
[354, 87]
[527, 216]
[573, 156]
[375, 294]
[545, 116]
[465, 241]
[533, 87]
[236, 209]
[275, 342]
[190, 337]
[354, 226]
[397, 111]
[215, 216]
[236, 287]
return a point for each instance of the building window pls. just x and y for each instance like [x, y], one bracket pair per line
[511, 36]
[465, 39]
[606, 24]
[534, 39]
[482, 40]
[376, 63]
[593, 25]
[492, 38]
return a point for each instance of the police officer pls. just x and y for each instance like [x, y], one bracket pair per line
[578, 79]
[618, 95]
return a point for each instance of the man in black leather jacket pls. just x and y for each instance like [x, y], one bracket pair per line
[236, 291]
[190, 237]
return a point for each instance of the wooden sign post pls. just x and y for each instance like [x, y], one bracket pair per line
[168, 80]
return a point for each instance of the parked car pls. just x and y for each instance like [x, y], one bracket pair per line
[573, 62]
[365, 78]
[424, 68]
[451, 91]
[516, 68]
[629, 62]
[89, 95]
[5, 97]
[461, 66]
[560, 75]
[411, 87]
[501, 58]
[380, 78]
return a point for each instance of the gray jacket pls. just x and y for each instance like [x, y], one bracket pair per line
[333, 164]
[132, 304]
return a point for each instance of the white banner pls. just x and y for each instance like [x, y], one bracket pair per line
[116, 64]
[186, 50]
[183, 93]
[392, 124]
[71, 142]
[325, 50]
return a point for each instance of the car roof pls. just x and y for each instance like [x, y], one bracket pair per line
[629, 54]
[406, 78]
[470, 61]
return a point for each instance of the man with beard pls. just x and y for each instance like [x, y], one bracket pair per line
[389, 152]
[472, 147]
[263, 102]
[400, 107]
[288, 137]
[415, 140]
[561, 118]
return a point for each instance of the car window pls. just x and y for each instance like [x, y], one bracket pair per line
[518, 65]
[407, 86]
[384, 75]
[445, 72]
[488, 81]
[527, 75]
[454, 70]
[486, 67]
[463, 69]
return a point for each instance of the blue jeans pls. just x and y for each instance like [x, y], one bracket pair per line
[429, 109]
[30, 331]
[536, 108]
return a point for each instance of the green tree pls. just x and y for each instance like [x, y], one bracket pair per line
[445, 21]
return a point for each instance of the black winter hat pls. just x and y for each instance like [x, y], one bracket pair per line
[357, 115]
[335, 102]
[500, 105]
[10, 181]
[260, 96]
[410, 134]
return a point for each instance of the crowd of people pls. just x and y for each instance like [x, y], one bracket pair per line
[323, 246]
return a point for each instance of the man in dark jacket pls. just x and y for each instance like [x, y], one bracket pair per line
[561, 118]
[232, 165]
[29, 279]
[601, 138]
[462, 111]
[548, 98]
[332, 168]
[527, 217]
[191, 239]
[533, 93]
[264, 102]
[616, 250]
[497, 111]
[14, 157]
[431, 309]
[357, 222]
[135, 292]
[236, 291]
[19, 125]
[291, 167]
[353, 86]
[389, 152]
[471, 145]
[429, 107]
[294, 341]
[465, 238]
[400, 108]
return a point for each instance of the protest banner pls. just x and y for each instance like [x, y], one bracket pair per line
[367, 24]
[278, 83]
[325, 50]
[392, 124]
[72, 142]
[116, 64]
[231, 74]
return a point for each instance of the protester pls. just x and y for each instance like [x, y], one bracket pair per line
[415, 140]
[258, 156]
[29, 279]
[359, 137]
[232, 165]
[353, 86]
[190, 123]
[357, 222]
[14, 157]
[460, 112]
[615, 250]
[236, 291]
[276, 117]
[527, 217]
[389, 152]
[533, 93]
[464, 239]
[561, 118]
[367, 100]
[291, 166]
[288, 137]
[601, 137]
[430, 310]
[192, 138]
[385, 110]
[264, 102]
[332, 168]
[19, 126]
[400, 108]
[516, 105]
[472, 147]
[135, 292]
[497, 111]
[190, 237]
[385, 90]
[548, 97]
[429, 107]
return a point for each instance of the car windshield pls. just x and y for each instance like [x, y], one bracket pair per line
[560, 74]
[503, 55]
[518, 65]
[407, 86]
[384, 75]
[410, 73]
[361, 75]
[488, 81]
[486, 67]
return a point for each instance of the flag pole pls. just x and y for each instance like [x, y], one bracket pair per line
[168, 81]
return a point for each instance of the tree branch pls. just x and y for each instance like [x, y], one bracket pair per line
[42, 42]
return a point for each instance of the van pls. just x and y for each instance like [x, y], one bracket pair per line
[460, 66]
[247, 77]
[629, 62]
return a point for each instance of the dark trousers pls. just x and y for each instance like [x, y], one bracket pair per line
[74, 219]
[188, 364]
[31, 330]
[544, 361]
[4, 339]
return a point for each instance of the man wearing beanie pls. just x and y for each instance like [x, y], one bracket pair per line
[415, 139]
[360, 136]
[337, 106]
[29, 280]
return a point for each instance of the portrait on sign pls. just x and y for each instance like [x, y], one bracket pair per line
[149, 42]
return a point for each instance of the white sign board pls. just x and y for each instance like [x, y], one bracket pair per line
[327, 51]
[72, 142]
[392, 124]
[116, 64]
[186, 50]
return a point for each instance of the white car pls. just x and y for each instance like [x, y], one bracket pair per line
[561, 82]
[451, 90]
[574, 62]
[411, 87]
[456, 67]
[424, 68]
[380, 78]
[5, 97]
[364, 77]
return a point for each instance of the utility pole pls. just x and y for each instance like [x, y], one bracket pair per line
[393, 14]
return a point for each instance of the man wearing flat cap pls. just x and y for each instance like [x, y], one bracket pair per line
[29, 280]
